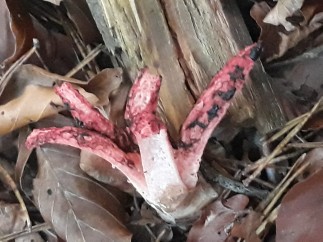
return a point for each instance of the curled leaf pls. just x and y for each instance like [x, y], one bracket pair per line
[217, 220]
[301, 213]
[280, 13]
[12, 219]
[35, 103]
[275, 39]
[79, 208]
[18, 29]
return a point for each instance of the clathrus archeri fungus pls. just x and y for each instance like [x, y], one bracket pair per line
[162, 174]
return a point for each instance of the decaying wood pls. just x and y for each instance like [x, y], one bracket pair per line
[186, 42]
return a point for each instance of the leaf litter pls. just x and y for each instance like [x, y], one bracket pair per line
[84, 209]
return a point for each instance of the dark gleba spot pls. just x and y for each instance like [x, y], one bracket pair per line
[255, 52]
[237, 74]
[226, 96]
[213, 112]
[183, 145]
[49, 191]
[197, 123]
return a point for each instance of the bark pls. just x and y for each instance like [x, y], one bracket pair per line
[186, 42]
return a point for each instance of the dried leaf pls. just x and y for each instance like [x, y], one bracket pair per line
[283, 9]
[79, 208]
[13, 220]
[217, 220]
[300, 215]
[35, 103]
[112, 91]
[315, 122]
[80, 14]
[104, 84]
[55, 2]
[30, 74]
[275, 39]
[7, 39]
[315, 159]
[246, 227]
[56, 50]
[103, 171]
[18, 31]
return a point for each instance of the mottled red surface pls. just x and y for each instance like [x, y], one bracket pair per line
[163, 175]
[90, 117]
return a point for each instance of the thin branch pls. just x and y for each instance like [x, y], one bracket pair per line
[33, 229]
[7, 179]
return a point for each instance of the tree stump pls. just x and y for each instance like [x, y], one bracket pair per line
[186, 42]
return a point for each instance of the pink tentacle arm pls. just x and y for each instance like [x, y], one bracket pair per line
[164, 183]
[209, 110]
[129, 164]
[91, 118]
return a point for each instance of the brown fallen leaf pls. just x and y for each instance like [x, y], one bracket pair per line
[315, 122]
[35, 103]
[300, 215]
[282, 10]
[12, 220]
[103, 171]
[79, 208]
[7, 43]
[275, 39]
[112, 90]
[80, 14]
[56, 50]
[29, 74]
[18, 32]
[246, 227]
[104, 84]
[217, 220]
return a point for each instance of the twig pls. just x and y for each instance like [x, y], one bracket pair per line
[307, 145]
[273, 214]
[7, 75]
[271, 200]
[264, 163]
[270, 219]
[212, 176]
[33, 229]
[7, 179]
[86, 60]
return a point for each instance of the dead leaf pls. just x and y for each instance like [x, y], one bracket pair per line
[300, 215]
[275, 39]
[104, 84]
[246, 227]
[103, 171]
[80, 14]
[112, 90]
[30, 75]
[56, 50]
[35, 103]
[280, 13]
[315, 122]
[55, 2]
[12, 220]
[7, 43]
[78, 208]
[217, 220]
[7, 145]
[18, 34]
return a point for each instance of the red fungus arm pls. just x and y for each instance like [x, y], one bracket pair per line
[164, 183]
[128, 164]
[91, 118]
[209, 110]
